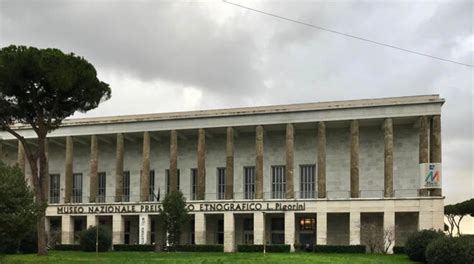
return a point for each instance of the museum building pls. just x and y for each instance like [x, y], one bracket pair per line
[300, 174]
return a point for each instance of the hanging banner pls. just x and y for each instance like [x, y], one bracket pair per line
[430, 175]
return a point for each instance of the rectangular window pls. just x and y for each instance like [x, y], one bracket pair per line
[152, 195]
[168, 180]
[220, 183]
[249, 182]
[278, 182]
[248, 231]
[77, 188]
[54, 188]
[101, 187]
[307, 223]
[193, 183]
[277, 230]
[307, 181]
[126, 186]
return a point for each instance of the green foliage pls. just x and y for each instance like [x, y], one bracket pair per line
[274, 248]
[29, 243]
[398, 250]
[64, 247]
[175, 216]
[46, 86]
[417, 242]
[339, 248]
[277, 248]
[18, 210]
[249, 248]
[448, 250]
[455, 213]
[88, 238]
[199, 248]
[123, 247]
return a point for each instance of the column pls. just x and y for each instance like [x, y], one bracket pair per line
[201, 165]
[68, 169]
[67, 230]
[94, 167]
[258, 228]
[21, 157]
[91, 220]
[200, 228]
[321, 160]
[259, 163]
[145, 175]
[229, 168]
[229, 232]
[354, 228]
[173, 172]
[321, 228]
[388, 157]
[290, 161]
[435, 146]
[354, 159]
[290, 230]
[117, 229]
[144, 227]
[423, 146]
[119, 155]
[389, 226]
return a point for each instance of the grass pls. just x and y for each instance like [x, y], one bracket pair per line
[72, 257]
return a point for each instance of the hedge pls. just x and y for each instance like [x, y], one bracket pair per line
[448, 250]
[398, 250]
[88, 237]
[199, 248]
[123, 247]
[339, 249]
[416, 244]
[67, 247]
[259, 248]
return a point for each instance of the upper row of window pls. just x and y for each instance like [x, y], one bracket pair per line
[278, 184]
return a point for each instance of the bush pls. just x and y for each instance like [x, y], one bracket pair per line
[277, 248]
[398, 250]
[29, 243]
[447, 250]
[199, 248]
[123, 247]
[67, 247]
[417, 242]
[250, 248]
[339, 248]
[87, 239]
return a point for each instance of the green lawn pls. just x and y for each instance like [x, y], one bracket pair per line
[70, 257]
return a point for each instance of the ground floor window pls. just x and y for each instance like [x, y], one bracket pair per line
[220, 231]
[126, 232]
[248, 231]
[278, 230]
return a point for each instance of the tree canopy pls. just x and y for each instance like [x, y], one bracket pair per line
[175, 215]
[42, 87]
[39, 88]
[18, 209]
[456, 212]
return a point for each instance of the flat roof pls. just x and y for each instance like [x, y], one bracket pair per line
[269, 109]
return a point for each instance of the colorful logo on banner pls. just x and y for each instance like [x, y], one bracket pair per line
[430, 175]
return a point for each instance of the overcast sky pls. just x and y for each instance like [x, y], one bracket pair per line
[161, 56]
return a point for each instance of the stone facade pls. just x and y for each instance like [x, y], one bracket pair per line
[360, 159]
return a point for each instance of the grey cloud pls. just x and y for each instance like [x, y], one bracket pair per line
[250, 59]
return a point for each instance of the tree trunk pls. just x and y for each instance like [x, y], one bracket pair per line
[41, 196]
